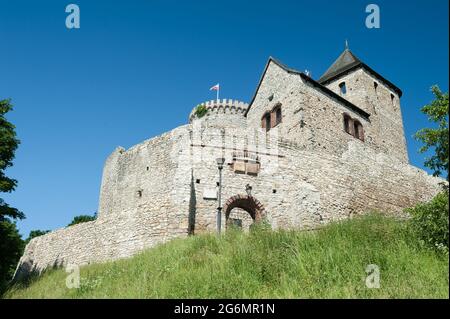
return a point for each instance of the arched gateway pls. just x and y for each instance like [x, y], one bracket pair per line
[247, 203]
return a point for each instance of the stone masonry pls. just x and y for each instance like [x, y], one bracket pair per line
[301, 154]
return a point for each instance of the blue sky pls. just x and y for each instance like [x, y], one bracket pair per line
[135, 69]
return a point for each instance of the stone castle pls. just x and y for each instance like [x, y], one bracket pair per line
[302, 153]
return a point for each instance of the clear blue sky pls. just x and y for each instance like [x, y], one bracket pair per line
[135, 69]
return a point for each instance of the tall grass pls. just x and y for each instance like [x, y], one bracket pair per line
[327, 263]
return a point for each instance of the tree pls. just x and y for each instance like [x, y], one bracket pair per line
[82, 219]
[11, 247]
[8, 146]
[11, 243]
[436, 138]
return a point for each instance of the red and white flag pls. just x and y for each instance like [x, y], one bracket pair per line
[215, 87]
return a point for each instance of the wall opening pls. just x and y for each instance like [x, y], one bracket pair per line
[278, 115]
[239, 207]
[343, 88]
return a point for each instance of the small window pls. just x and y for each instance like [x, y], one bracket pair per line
[278, 115]
[353, 127]
[267, 120]
[392, 99]
[343, 88]
[356, 128]
[375, 86]
[358, 132]
[347, 124]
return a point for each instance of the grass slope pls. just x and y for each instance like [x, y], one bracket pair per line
[327, 263]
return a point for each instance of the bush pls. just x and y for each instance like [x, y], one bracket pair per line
[201, 110]
[429, 222]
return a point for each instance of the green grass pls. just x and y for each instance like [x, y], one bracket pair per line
[327, 263]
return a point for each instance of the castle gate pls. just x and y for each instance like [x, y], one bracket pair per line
[239, 208]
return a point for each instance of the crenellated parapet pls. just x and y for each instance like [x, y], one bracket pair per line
[217, 108]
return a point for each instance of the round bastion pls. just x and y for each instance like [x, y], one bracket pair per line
[223, 112]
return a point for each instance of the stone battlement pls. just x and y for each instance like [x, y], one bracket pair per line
[221, 106]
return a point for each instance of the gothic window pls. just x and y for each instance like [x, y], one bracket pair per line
[343, 88]
[353, 127]
[347, 123]
[358, 130]
[277, 112]
[265, 121]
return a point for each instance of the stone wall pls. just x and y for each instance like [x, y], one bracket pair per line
[386, 117]
[144, 200]
[302, 188]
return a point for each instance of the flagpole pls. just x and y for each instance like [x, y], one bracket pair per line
[217, 95]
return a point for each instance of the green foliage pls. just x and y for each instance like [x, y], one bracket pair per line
[327, 263]
[8, 146]
[11, 244]
[11, 247]
[81, 219]
[436, 138]
[430, 222]
[35, 233]
[201, 110]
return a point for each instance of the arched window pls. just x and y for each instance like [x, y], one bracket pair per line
[276, 112]
[265, 121]
[353, 127]
[358, 130]
[278, 115]
[348, 124]
[343, 88]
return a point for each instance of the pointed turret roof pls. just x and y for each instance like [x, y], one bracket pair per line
[347, 62]
[344, 62]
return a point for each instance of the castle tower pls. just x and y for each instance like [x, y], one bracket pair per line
[355, 81]
[220, 113]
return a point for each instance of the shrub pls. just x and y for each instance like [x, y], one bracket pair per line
[429, 222]
[201, 110]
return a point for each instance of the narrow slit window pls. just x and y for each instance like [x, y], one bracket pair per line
[267, 120]
[278, 116]
[375, 86]
[343, 88]
[356, 129]
[347, 123]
